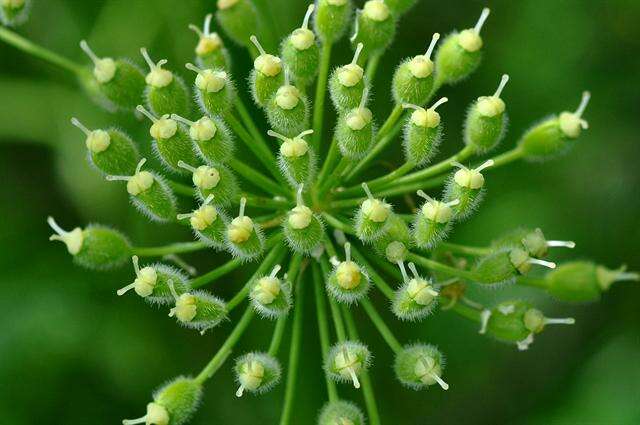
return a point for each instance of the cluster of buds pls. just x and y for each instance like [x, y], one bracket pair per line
[309, 188]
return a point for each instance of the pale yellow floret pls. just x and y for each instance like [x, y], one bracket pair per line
[437, 211]
[490, 106]
[145, 281]
[376, 210]
[251, 375]
[359, 118]
[157, 414]
[226, 4]
[376, 10]
[98, 141]
[185, 309]
[240, 229]
[470, 41]
[425, 118]
[203, 217]
[164, 128]
[302, 39]
[337, 2]
[428, 372]
[294, 148]
[471, 179]
[300, 217]
[73, 239]
[159, 77]
[211, 81]
[205, 177]
[421, 66]
[139, 182]
[287, 97]
[395, 251]
[348, 275]
[350, 75]
[208, 44]
[202, 130]
[268, 65]
[420, 291]
[266, 290]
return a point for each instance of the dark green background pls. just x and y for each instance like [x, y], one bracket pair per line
[71, 352]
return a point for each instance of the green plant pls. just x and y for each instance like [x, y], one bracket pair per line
[306, 202]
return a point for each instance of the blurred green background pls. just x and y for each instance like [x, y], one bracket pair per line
[71, 352]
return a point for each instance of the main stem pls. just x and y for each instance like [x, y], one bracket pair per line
[174, 248]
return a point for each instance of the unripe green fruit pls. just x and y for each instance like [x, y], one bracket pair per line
[414, 79]
[347, 282]
[415, 298]
[296, 158]
[355, 131]
[300, 52]
[332, 19]
[173, 404]
[271, 296]
[208, 223]
[118, 83]
[346, 360]
[152, 282]
[503, 265]
[210, 51]
[288, 110]
[433, 222]
[266, 77]
[257, 373]
[418, 366]
[555, 135]
[95, 247]
[214, 90]
[216, 181]
[395, 241]
[302, 228]
[486, 122]
[466, 185]
[238, 19]
[422, 133]
[342, 413]
[460, 53]
[347, 84]
[211, 137]
[150, 194]
[372, 218]
[245, 239]
[166, 93]
[582, 281]
[110, 151]
[375, 27]
[197, 309]
[14, 12]
[399, 7]
[172, 144]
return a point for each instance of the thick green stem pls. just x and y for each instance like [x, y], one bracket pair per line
[334, 179]
[365, 380]
[475, 251]
[323, 328]
[380, 182]
[248, 122]
[276, 338]
[375, 277]
[226, 348]
[372, 67]
[466, 311]
[534, 282]
[294, 353]
[174, 248]
[381, 326]
[442, 268]
[216, 273]
[258, 179]
[338, 224]
[321, 89]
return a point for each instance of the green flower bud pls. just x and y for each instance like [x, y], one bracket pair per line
[149, 193]
[245, 239]
[95, 247]
[414, 78]
[516, 322]
[302, 228]
[109, 151]
[433, 221]
[372, 218]
[257, 373]
[212, 139]
[118, 83]
[238, 19]
[395, 241]
[210, 51]
[582, 281]
[170, 141]
[416, 298]
[208, 224]
[271, 296]
[214, 90]
[418, 366]
[399, 7]
[422, 133]
[340, 412]
[266, 77]
[533, 241]
[198, 309]
[152, 282]
[173, 404]
[486, 121]
[375, 27]
[165, 93]
[217, 181]
[296, 159]
[555, 135]
[288, 110]
[346, 360]
[300, 52]
[347, 282]
[347, 84]
[460, 53]
[466, 185]
[503, 265]
[332, 19]
[14, 12]
[355, 131]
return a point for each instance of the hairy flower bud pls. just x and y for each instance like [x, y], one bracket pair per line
[302, 228]
[271, 296]
[211, 137]
[394, 242]
[214, 89]
[347, 282]
[152, 282]
[375, 27]
[415, 298]
[340, 413]
[418, 366]
[244, 237]
[372, 218]
[503, 265]
[533, 241]
[210, 50]
[355, 131]
[217, 180]
[257, 373]
[288, 110]
[466, 185]
[296, 159]
[238, 19]
[486, 121]
[208, 223]
[267, 75]
[165, 93]
[414, 79]
[95, 247]
[422, 133]
[197, 310]
[346, 360]
[433, 222]
[110, 151]
[332, 18]
[347, 84]
[300, 52]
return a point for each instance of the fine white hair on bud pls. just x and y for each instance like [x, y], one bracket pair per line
[372, 218]
[341, 412]
[104, 68]
[348, 282]
[433, 222]
[346, 361]
[256, 373]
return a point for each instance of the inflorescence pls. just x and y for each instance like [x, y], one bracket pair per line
[323, 226]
